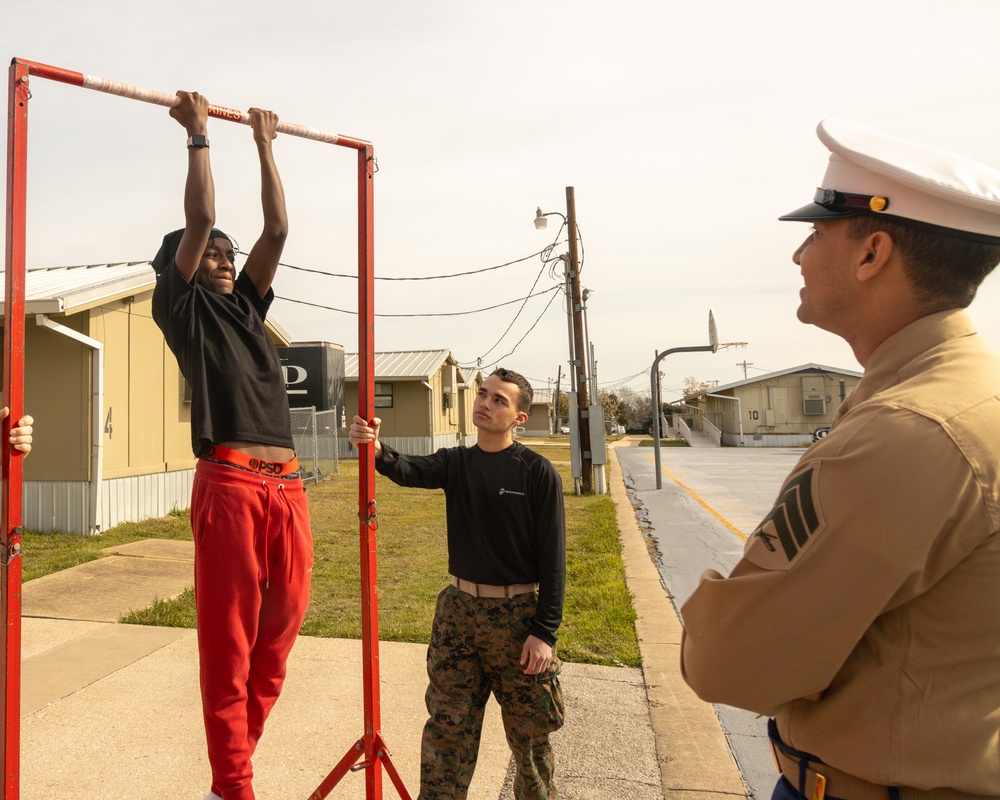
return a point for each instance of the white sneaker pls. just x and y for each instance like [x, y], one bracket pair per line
[212, 796]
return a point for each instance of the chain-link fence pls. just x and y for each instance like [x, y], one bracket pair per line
[326, 442]
[315, 436]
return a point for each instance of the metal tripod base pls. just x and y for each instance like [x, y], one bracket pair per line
[379, 756]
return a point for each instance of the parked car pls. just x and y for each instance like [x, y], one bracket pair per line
[564, 429]
[819, 433]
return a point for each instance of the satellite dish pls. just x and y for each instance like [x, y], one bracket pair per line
[713, 334]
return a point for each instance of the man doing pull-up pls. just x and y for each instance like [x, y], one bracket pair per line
[249, 516]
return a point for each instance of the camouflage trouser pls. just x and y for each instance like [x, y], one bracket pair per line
[475, 649]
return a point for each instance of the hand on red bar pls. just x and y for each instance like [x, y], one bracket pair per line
[20, 437]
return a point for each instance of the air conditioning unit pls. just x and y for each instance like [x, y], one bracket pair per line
[813, 396]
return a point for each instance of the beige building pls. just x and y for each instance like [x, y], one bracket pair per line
[422, 397]
[112, 422]
[541, 417]
[780, 409]
[469, 388]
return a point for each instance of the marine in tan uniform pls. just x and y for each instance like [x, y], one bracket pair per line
[864, 616]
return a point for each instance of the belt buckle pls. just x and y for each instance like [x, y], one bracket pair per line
[819, 785]
[819, 788]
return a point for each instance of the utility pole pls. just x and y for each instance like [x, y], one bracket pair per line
[744, 364]
[580, 348]
[556, 407]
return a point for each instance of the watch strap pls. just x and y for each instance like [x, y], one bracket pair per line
[197, 140]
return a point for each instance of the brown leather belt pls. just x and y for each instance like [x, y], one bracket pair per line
[822, 780]
[487, 590]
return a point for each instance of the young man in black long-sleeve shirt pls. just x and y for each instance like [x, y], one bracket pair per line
[495, 625]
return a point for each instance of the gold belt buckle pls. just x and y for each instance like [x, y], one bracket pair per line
[819, 788]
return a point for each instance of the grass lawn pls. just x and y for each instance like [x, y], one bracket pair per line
[598, 621]
[50, 552]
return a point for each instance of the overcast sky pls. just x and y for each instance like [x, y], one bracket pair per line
[685, 128]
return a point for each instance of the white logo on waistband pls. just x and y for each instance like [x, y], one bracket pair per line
[511, 491]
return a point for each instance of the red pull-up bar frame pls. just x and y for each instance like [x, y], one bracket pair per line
[370, 747]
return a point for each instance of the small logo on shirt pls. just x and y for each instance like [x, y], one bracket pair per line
[511, 491]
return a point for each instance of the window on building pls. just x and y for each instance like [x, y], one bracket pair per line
[383, 395]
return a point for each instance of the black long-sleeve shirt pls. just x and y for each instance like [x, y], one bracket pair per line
[506, 522]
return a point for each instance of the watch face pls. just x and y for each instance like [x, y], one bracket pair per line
[197, 140]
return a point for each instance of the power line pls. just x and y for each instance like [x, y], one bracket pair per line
[619, 382]
[497, 361]
[518, 314]
[439, 314]
[416, 278]
[547, 260]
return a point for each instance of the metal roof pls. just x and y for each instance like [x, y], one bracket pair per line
[469, 380]
[66, 290]
[69, 290]
[415, 365]
[810, 367]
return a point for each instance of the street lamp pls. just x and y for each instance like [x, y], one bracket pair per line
[579, 360]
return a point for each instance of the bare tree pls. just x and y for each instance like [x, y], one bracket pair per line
[612, 405]
[693, 386]
[636, 409]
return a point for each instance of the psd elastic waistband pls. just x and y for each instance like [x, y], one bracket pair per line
[237, 458]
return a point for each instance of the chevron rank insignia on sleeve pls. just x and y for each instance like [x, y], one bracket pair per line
[790, 526]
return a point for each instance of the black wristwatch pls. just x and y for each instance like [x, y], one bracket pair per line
[197, 140]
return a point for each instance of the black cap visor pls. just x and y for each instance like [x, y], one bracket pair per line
[834, 204]
[815, 211]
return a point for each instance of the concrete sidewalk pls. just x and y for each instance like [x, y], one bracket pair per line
[112, 711]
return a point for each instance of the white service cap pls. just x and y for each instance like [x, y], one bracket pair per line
[875, 174]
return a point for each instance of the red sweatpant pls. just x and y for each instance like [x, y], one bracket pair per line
[252, 567]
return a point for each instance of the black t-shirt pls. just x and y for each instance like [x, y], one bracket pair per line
[506, 521]
[224, 352]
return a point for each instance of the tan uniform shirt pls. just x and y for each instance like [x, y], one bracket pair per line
[875, 579]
